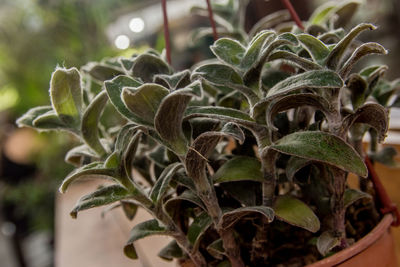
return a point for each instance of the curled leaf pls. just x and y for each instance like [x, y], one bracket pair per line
[90, 121]
[352, 195]
[66, 95]
[144, 100]
[94, 169]
[230, 218]
[174, 81]
[162, 183]
[100, 197]
[197, 229]
[326, 242]
[142, 230]
[301, 62]
[372, 114]
[338, 52]
[362, 51]
[321, 147]
[317, 49]
[147, 65]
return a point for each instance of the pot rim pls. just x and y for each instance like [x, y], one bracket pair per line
[358, 247]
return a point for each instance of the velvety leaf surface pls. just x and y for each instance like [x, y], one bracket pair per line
[295, 212]
[338, 52]
[317, 49]
[296, 101]
[197, 229]
[187, 195]
[254, 49]
[171, 251]
[168, 119]
[201, 149]
[101, 72]
[144, 100]
[161, 186]
[326, 242]
[311, 79]
[90, 121]
[94, 169]
[27, 119]
[146, 66]
[294, 165]
[372, 114]
[142, 230]
[362, 51]
[239, 168]
[352, 195]
[129, 208]
[66, 95]
[100, 197]
[228, 50]
[322, 147]
[301, 62]
[217, 74]
[76, 154]
[216, 249]
[114, 89]
[230, 218]
[174, 81]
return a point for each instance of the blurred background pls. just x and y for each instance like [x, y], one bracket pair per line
[38, 35]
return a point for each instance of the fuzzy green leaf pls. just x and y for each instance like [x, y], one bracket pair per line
[161, 186]
[114, 89]
[228, 50]
[296, 101]
[372, 114]
[229, 219]
[240, 168]
[76, 155]
[175, 81]
[171, 251]
[362, 51]
[301, 62]
[295, 212]
[146, 66]
[100, 197]
[386, 156]
[142, 230]
[94, 169]
[101, 72]
[144, 100]
[317, 49]
[311, 79]
[254, 49]
[197, 229]
[27, 119]
[129, 208]
[217, 74]
[352, 195]
[322, 147]
[188, 196]
[326, 242]
[90, 121]
[168, 119]
[49, 120]
[294, 165]
[66, 95]
[339, 51]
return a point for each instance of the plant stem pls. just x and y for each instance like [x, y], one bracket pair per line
[166, 30]
[212, 22]
[180, 237]
[293, 13]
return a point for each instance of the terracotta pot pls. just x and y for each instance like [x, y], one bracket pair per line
[376, 249]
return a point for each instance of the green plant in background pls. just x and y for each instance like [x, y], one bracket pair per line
[242, 159]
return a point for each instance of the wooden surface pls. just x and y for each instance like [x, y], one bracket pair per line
[90, 241]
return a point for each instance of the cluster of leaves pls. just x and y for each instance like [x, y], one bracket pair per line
[233, 151]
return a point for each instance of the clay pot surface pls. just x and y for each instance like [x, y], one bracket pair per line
[376, 249]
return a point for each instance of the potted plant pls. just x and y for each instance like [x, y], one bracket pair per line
[242, 159]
